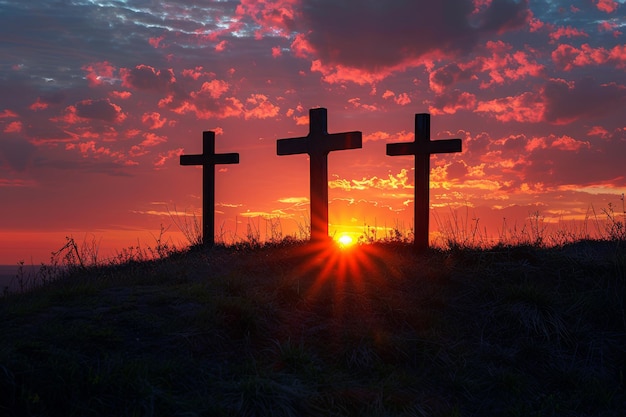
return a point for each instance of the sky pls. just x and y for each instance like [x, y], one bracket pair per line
[98, 98]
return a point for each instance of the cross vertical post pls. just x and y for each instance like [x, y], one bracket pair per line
[422, 148]
[317, 144]
[208, 159]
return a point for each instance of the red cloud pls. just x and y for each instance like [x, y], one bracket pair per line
[272, 16]
[567, 32]
[213, 88]
[13, 127]
[196, 73]
[568, 57]
[221, 46]
[567, 143]
[356, 102]
[402, 99]
[502, 66]
[334, 74]
[301, 47]
[7, 114]
[155, 42]
[527, 107]
[99, 73]
[608, 6]
[122, 95]
[38, 105]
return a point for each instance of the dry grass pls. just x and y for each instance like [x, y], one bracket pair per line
[290, 329]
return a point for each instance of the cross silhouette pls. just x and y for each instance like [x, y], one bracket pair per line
[422, 148]
[317, 144]
[208, 159]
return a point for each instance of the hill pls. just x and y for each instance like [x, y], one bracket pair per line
[296, 330]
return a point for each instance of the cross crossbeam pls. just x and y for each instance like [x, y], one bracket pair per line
[208, 159]
[317, 144]
[422, 148]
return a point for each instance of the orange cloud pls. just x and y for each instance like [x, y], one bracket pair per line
[164, 157]
[567, 143]
[392, 182]
[356, 102]
[153, 120]
[258, 106]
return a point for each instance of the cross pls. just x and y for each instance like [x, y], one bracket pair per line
[208, 159]
[317, 144]
[422, 148]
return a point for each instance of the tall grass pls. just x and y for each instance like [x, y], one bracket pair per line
[292, 329]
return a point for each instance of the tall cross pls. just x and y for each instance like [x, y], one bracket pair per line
[422, 148]
[208, 159]
[317, 144]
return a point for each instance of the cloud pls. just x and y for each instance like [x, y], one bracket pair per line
[144, 77]
[451, 102]
[385, 35]
[258, 106]
[294, 200]
[99, 73]
[153, 120]
[392, 182]
[568, 57]
[89, 109]
[16, 153]
[607, 6]
[569, 101]
[558, 102]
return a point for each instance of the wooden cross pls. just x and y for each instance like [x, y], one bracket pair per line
[318, 143]
[422, 148]
[208, 159]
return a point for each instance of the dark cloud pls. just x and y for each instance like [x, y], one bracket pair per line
[144, 77]
[99, 110]
[15, 153]
[374, 35]
[448, 75]
[568, 101]
[504, 15]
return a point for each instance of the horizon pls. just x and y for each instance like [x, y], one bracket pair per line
[99, 100]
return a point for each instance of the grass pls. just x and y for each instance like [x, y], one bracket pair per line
[292, 329]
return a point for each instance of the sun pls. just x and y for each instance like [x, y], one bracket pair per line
[345, 240]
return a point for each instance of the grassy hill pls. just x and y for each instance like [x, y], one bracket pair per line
[291, 329]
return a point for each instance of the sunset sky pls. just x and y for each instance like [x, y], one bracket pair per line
[99, 98]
